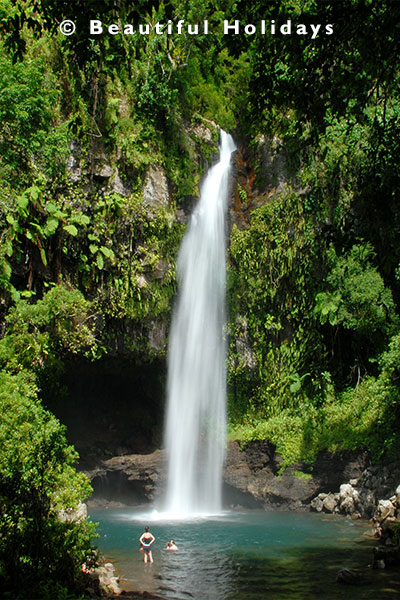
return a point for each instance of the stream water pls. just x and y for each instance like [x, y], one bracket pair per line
[251, 555]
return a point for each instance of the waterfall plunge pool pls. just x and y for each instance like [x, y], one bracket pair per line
[244, 555]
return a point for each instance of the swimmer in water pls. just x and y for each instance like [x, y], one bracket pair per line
[171, 546]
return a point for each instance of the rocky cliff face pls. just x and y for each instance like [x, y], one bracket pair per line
[260, 175]
[373, 492]
[251, 477]
[255, 471]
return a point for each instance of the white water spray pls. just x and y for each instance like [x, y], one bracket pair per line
[196, 389]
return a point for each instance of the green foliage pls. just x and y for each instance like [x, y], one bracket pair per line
[313, 275]
[302, 475]
[156, 96]
[128, 256]
[290, 392]
[30, 135]
[357, 296]
[271, 279]
[37, 481]
[332, 75]
[242, 194]
[202, 86]
[37, 478]
[285, 430]
[59, 323]
[291, 369]
[364, 417]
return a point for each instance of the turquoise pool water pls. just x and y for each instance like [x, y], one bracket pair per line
[249, 555]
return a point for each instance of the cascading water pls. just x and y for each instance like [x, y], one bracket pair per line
[196, 389]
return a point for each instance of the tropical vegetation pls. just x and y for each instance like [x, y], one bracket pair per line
[313, 261]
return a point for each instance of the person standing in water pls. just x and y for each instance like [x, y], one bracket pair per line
[146, 540]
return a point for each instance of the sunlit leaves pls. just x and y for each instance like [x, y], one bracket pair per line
[71, 229]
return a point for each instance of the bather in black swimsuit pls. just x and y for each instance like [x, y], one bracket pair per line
[146, 544]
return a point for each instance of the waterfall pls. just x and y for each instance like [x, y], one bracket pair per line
[195, 430]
